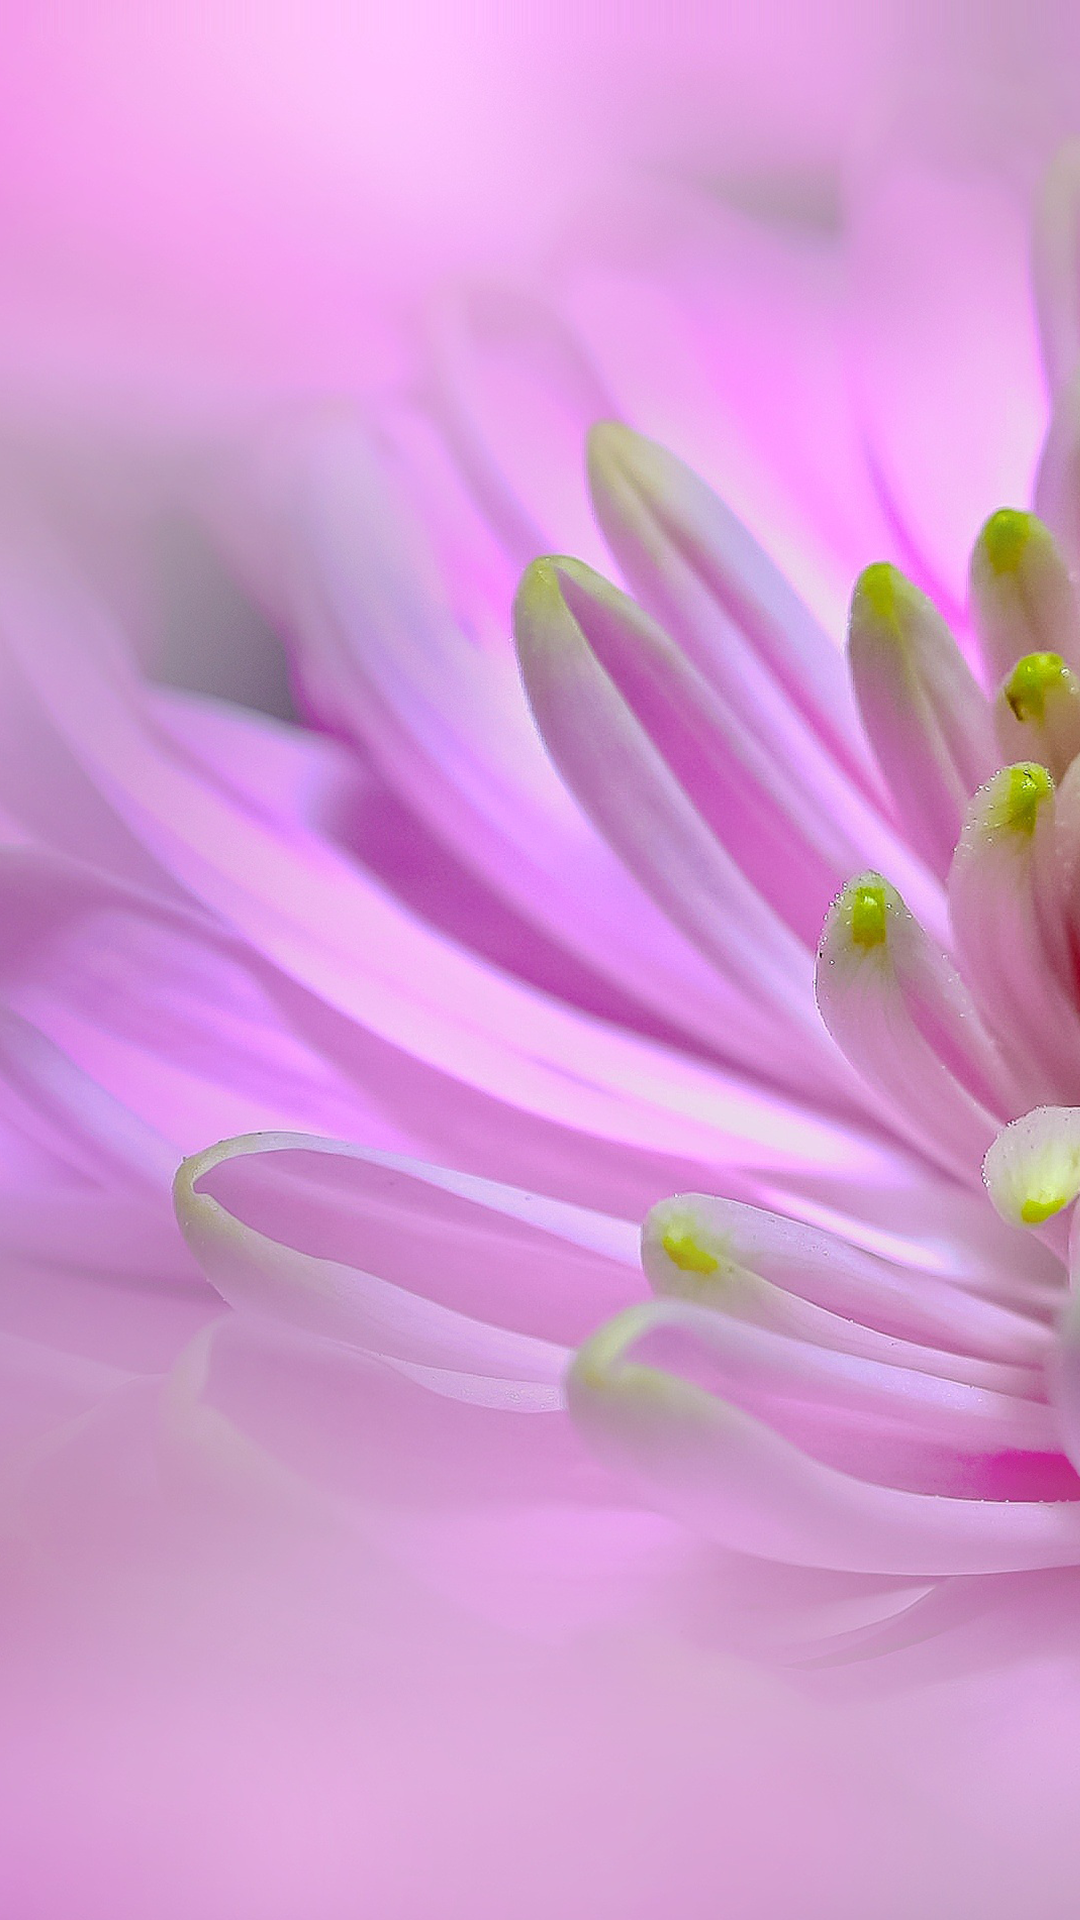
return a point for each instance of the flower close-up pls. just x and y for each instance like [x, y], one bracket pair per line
[540, 982]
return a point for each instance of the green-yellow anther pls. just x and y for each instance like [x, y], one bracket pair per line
[1031, 680]
[686, 1252]
[866, 909]
[1019, 793]
[1006, 537]
[1042, 1206]
[881, 590]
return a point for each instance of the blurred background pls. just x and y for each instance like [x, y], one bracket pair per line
[202, 203]
[207, 210]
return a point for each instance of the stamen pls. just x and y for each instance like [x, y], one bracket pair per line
[1012, 800]
[685, 1251]
[1039, 706]
[687, 1255]
[864, 905]
[1031, 680]
[882, 589]
[1006, 538]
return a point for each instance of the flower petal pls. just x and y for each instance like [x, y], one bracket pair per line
[444, 1046]
[1037, 713]
[499, 1254]
[696, 1246]
[704, 577]
[258, 1273]
[727, 1474]
[1001, 937]
[1022, 595]
[607, 757]
[1032, 1171]
[902, 1017]
[384, 657]
[927, 719]
[796, 830]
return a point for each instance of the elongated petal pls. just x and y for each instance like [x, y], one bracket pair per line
[781, 1373]
[1057, 881]
[701, 1248]
[726, 1473]
[504, 1256]
[928, 720]
[999, 932]
[269, 1276]
[796, 832]
[607, 757]
[1022, 595]
[1037, 713]
[902, 1017]
[737, 1294]
[695, 567]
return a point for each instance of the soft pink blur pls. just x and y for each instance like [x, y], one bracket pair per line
[227, 199]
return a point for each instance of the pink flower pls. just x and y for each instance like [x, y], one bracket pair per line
[540, 1007]
[873, 1399]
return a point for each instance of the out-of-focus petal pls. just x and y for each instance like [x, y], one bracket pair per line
[946, 359]
[382, 657]
[1056, 265]
[1057, 482]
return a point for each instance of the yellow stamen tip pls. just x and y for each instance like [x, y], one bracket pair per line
[686, 1252]
[1022, 791]
[1040, 1206]
[1031, 680]
[866, 907]
[1006, 538]
[879, 588]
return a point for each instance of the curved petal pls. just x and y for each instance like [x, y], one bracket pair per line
[852, 1287]
[261, 1274]
[727, 1474]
